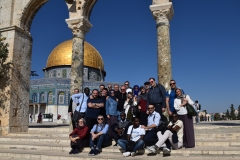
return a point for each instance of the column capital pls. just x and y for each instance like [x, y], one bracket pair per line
[162, 13]
[79, 26]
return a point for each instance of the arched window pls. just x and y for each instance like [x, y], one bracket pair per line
[50, 98]
[42, 97]
[34, 97]
[61, 98]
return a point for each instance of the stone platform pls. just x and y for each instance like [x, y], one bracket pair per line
[216, 140]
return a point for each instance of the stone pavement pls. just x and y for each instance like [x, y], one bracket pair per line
[215, 141]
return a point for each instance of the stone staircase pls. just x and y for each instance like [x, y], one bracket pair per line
[212, 142]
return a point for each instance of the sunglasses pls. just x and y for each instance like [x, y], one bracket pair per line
[100, 119]
[172, 83]
[151, 81]
[126, 84]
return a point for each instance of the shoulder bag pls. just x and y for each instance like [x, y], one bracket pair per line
[77, 115]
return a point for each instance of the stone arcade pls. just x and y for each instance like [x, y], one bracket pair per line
[15, 21]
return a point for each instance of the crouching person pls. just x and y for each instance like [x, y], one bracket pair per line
[119, 129]
[174, 133]
[99, 136]
[79, 137]
[134, 140]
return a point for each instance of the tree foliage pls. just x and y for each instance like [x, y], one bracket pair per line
[232, 112]
[227, 114]
[3, 54]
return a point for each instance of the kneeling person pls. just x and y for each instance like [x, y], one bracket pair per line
[99, 136]
[134, 140]
[174, 134]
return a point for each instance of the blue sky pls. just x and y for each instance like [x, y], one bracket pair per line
[205, 40]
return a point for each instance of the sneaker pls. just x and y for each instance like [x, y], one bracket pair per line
[91, 153]
[71, 152]
[126, 154]
[75, 151]
[166, 150]
[133, 154]
[151, 149]
[96, 152]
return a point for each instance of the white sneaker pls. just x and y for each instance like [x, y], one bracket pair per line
[152, 149]
[126, 154]
[166, 150]
[133, 154]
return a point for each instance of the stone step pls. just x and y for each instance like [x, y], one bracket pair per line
[182, 154]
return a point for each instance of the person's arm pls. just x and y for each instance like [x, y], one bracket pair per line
[189, 100]
[95, 105]
[107, 107]
[163, 92]
[75, 96]
[177, 104]
[125, 105]
[175, 129]
[104, 131]
[93, 129]
[129, 133]
[156, 121]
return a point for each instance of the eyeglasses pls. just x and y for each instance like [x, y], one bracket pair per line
[100, 119]
[151, 81]
[172, 83]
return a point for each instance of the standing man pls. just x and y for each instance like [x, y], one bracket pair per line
[93, 108]
[170, 96]
[101, 87]
[81, 100]
[72, 106]
[198, 109]
[116, 90]
[128, 88]
[157, 96]
[103, 97]
[121, 98]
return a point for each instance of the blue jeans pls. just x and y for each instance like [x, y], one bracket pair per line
[123, 144]
[98, 141]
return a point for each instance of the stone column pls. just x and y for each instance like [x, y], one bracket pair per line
[163, 13]
[79, 27]
[38, 108]
[34, 113]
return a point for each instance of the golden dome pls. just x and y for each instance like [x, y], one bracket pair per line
[62, 55]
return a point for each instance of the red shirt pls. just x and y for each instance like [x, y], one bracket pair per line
[82, 133]
[143, 104]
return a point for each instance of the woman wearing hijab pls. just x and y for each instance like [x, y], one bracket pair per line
[79, 137]
[180, 106]
[142, 106]
[111, 111]
[130, 106]
[136, 90]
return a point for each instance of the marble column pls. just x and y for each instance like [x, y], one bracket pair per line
[79, 28]
[163, 14]
[38, 108]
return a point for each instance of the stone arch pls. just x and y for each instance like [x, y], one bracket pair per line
[50, 98]
[61, 98]
[34, 97]
[42, 97]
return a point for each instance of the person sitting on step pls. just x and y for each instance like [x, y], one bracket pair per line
[174, 133]
[79, 137]
[134, 140]
[119, 129]
[99, 136]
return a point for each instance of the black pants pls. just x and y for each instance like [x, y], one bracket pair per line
[150, 138]
[115, 135]
[91, 122]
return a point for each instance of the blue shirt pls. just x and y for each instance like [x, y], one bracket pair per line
[100, 128]
[111, 107]
[77, 98]
[153, 118]
[171, 97]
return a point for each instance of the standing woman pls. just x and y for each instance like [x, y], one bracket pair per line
[111, 111]
[130, 106]
[136, 90]
[142, 106]
[180, 106]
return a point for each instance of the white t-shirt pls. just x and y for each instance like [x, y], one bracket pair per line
[136, 133]
[179, 123]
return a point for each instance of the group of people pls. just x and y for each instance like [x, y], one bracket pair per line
[132, 117]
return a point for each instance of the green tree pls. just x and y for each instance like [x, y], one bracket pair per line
[232, 112]
[227, 114]
[3, 55]
[238, 116]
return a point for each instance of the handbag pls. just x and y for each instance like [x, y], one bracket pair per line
[77, 115]
[190, 110]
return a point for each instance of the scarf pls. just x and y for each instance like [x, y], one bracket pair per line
[143, 96]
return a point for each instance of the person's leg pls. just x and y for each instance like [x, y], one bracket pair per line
[123, 144]
[150, 138]
[91, 142]
[138, 145]
[114, 133]
[100, 141]
[162, 138]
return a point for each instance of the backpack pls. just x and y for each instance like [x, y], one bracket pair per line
[199, 106]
